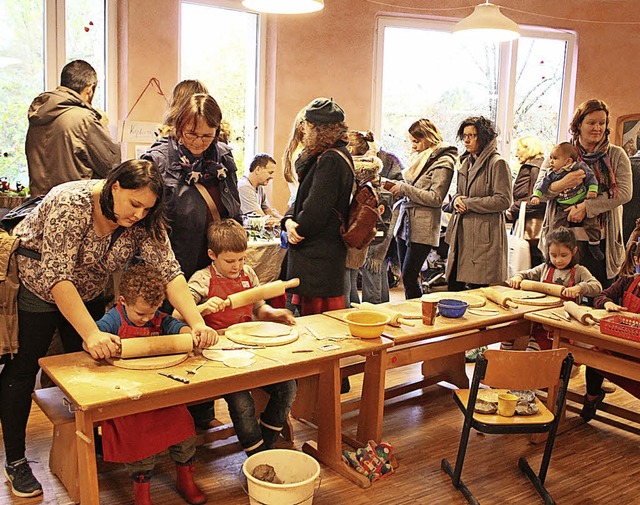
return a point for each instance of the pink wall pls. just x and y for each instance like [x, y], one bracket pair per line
[331, 53]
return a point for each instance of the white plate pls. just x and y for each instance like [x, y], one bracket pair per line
[218, 355]
[238, 362]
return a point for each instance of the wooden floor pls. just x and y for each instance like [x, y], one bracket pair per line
[592, 464]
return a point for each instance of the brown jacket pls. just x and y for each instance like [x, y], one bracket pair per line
[9, 284]
[66, 141]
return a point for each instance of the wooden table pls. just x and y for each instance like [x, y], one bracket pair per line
[100, 391]
[441, 347]
[265, 257]
[575, 336]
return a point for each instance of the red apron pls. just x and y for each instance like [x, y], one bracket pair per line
[135, 437]
[222, 287]
[629, 299]
[542, 336]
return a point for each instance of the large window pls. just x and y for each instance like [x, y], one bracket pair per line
[424, 71]
[228, 66]
[68, 29]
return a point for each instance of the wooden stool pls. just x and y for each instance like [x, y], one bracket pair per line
[63, 461]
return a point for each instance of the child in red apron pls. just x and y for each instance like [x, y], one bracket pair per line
[560, 268]
[622, 295]
[136, 439]
[210, 286]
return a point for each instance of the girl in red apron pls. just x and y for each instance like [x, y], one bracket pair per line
[136, 439]
[625, 289]
[560, 268]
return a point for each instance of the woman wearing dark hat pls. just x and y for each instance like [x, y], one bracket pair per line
[317, 254]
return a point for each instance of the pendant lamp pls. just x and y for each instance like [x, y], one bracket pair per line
[284, 6]
[487, 23]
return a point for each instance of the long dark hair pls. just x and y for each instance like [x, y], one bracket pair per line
[136, 174]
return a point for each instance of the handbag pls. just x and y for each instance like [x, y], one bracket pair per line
[533, 227]
[519, 254]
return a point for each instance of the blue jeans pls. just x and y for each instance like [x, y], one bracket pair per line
[412, 256]
[351, 287]
[256, 436]
[375, 285]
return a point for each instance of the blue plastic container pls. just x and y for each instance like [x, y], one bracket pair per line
[448, 307]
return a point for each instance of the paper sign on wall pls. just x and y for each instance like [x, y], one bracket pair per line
[141, 132]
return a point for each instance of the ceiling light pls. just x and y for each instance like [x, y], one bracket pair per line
[487, 23]
[284, 6]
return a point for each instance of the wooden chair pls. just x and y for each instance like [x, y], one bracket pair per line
[520, 371]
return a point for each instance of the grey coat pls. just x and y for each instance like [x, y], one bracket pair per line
[422, 201]
[478, 238]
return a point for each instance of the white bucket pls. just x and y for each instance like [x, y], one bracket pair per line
[299, 472]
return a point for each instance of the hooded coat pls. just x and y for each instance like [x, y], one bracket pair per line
[478, 238]
[66, 141]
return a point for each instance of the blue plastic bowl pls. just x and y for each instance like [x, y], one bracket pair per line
[448, 307]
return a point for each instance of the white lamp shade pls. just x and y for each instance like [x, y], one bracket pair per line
[487, 23]
[284, 6]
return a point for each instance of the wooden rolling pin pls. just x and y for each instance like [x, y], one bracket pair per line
[499, 298]
[264, 292]
[155, 346]
[579, 312]
[396, 317]
[542, 287]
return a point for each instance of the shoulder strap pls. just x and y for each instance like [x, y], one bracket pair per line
[209, 201]
[344, 157]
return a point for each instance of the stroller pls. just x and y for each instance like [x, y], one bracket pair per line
[433, 270]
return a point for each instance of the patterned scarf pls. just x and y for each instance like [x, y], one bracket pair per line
[201, 169]
[600, 163]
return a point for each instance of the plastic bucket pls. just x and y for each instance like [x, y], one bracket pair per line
[299, 472]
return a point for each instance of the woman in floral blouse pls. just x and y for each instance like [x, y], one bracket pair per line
[82, 232]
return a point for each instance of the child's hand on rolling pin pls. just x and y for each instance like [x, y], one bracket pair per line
[203, 336]
[572, 292]
[613, 307]
[515, 281]
[102, 345]
[211, 306]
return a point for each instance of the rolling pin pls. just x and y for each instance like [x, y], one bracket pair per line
[542, 287]
[264, 292]
[499, 298]
[155, 346]
[396, 318]
[580, 313]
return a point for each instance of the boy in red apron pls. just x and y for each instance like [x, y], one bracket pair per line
[625, 289]
[136, 439]
[210, 286]
[560, 268]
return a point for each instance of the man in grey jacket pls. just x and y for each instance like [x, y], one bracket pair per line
[66, 139]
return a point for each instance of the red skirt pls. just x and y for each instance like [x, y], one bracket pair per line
[317, 305]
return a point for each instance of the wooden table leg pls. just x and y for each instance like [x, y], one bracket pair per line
[87, 469]
[328, 450]
[451, 368]
[372, 401]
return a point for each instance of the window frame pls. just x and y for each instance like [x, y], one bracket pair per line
[261, 141]
[507, 67]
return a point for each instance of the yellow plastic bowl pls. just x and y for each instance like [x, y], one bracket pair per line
[366, 323]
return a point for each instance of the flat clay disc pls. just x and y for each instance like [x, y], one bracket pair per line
[148, 363]
[527, 295]
[408, 310]
[474, 301]
[261, 333]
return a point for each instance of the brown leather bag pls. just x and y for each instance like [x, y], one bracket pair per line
[533, 227]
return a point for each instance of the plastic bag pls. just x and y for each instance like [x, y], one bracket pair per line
[519, 258]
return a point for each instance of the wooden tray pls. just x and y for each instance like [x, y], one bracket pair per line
[474, 301]
[148, 363]
[241, 334]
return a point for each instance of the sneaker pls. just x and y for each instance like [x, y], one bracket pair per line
[21, 478]
[608, 386]
[589, 408]
[471, 355]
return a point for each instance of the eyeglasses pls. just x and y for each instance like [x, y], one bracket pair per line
[469, 136]
[192, 137]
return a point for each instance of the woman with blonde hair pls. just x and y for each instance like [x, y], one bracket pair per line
[530, 154]
[423, 189]
[292, 150]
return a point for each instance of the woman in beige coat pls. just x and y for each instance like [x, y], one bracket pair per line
[423, 189]
[476, 234]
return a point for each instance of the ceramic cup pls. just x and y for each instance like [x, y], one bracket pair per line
[429, 309]
[507, 404]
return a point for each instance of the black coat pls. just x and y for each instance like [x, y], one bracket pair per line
[319, 260]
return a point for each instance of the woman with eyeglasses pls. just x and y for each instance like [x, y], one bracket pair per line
[199, 175]
[477, 234]
[422, 191]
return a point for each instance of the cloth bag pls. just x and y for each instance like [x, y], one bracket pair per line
[519, 258]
